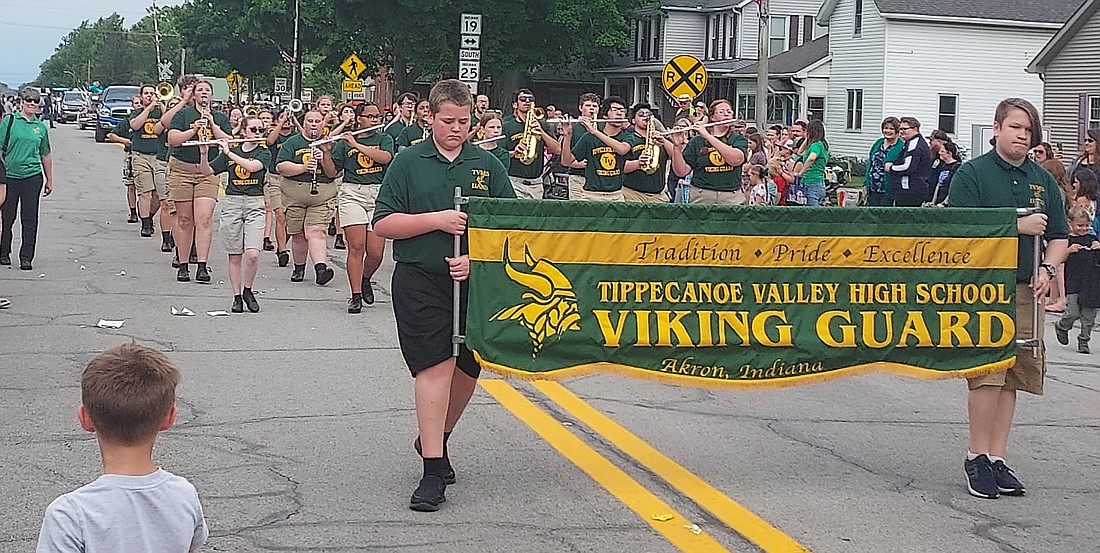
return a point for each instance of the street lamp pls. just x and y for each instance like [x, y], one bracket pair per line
[67, 72]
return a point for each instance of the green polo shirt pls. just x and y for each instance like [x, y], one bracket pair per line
[396, 129]
[411, 135]
[639, 180]
[990, 181]
[501, 153]
[421, 180]
[122, 130]
[296, 149]
[27, 142]
[604, 172]
[241, 181]
[513, 130]
[358, 168]
[185, 120]
[578, 133]
[145, 140]
[709, 169]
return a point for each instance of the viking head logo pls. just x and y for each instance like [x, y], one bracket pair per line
[550, 307]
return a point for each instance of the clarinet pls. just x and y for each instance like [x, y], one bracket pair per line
[313, 184]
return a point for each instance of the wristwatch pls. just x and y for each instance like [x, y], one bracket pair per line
[1052, 271]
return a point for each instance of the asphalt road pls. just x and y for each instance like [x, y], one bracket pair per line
[296, 425]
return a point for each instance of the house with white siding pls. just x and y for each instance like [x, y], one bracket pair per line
[1069, 66]
[946, 62]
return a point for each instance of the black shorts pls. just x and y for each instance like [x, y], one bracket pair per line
[423, 304]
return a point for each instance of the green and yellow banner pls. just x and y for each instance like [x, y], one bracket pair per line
[739, 297]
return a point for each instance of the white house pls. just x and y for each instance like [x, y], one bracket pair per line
[946, 62]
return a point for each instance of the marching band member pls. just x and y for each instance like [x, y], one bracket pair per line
[364, 159]
[493, 127]
[604, 154]
[160, 176]
[587, 106]
[309, 197]
[714, 158]
[405, 108]
[122, 134]
[347, 121]
[527, 179]
[329, 118]
[194, 193]
[236, 121]
[277, 135]
[242, 212]
[145, 144]
[481, 105]
[418, 130]
[638, 184]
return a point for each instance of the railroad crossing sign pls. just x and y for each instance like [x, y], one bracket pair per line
[684, 75]
[164, 70]
[353, 67]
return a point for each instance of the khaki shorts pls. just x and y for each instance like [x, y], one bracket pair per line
[273, 191]
[145, 172]
[164, 197]
[160, 178]
[591, 196]
[242, 223]
[714, 197]
[527, 189]
[1028, 372]
[576, 186]
[304, 209]
[186, 182]
[631, 195]
[356, 203]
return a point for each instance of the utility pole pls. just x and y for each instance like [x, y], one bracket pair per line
[297, 61]
[762, 67]
[156, 33]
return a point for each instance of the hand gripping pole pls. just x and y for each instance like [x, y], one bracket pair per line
[1037, 257]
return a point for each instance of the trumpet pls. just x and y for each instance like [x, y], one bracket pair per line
[337, 138]
[165, 92]
[530, 138]
[571, 120]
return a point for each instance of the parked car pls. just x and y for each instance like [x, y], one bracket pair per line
[87, 118]
[72, 104]
[115, 103]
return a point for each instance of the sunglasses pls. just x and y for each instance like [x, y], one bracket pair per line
[526, 99]
[256, 129]
[1089, 141]
[904, 128]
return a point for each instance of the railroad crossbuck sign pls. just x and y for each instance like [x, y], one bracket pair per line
[353, 67]
[684, 75]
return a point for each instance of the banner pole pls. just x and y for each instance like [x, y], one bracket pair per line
[456, 337]
[1037, 256]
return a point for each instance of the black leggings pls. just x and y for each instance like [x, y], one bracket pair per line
[27, 192]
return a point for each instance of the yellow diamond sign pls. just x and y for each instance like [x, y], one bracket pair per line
[353, 67]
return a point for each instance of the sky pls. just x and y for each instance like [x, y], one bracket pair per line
[32, 29]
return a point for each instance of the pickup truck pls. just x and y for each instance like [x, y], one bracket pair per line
[114, 104]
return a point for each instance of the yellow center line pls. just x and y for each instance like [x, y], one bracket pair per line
[676, 530]
[738, 518]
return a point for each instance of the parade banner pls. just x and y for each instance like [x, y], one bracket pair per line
[739, 297]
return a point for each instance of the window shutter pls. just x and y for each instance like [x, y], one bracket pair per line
[792, 35]
[1082, 117]
[807, 29]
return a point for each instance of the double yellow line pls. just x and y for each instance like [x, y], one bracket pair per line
[678, 530]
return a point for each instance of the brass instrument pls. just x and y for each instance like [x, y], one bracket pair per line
[530, 139]
[295, 105]
[165, 92]
[652, 148]
[252, 111]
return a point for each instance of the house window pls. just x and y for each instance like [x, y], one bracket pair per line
[647, 39]
[949, 113]
[1094, 113]
[746, 107]
[855, 110]
[731, 48]
[777, 35]
[777, 109]
[857, 23]
[721, 36]
[815, 108]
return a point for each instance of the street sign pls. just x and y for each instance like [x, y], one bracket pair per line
[469, 55]
[473, 87]
[353, 67]
[684, 75]
[470, 41]
[469, 71]
[234, 78]
[164, 70]
[471, 24]
[280, 85]
[352, 85]
[307, 95]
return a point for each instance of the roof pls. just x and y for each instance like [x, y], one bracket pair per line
[712, 66]
[699, 5]
[1026, 12]
[1063, 36]
[792, 61]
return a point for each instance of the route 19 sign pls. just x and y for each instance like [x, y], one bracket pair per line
[684, 75]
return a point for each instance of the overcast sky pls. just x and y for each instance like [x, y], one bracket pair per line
[32, 29]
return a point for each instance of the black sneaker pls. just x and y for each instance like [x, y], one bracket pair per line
[268, 246]
[5, 260]
[250, 300]
[339, 244]
[324, 274]
[1007, 482]
[238, 305]
[175, 262]
[980, 481]
[146, 229]
[133, 217]
[368, 292]
[332, 228]
[166, 245]
[284, 258]
[298, 274]
[449, 476]
[355, 304]
[1062, 335]
[202, 275]
[183, 275]
[429, 494]
[1083, 347]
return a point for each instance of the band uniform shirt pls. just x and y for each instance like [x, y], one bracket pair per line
[243, 182]
[421, 180]
[185, 120]
[28, 142]
[122, 130]
[411, 135]
[513, 131]
[639, 180]
[145, 140]
[579, 132]
[990, 181]
[604, 172]
[396, 128]
[276, 148]
[296, 149]
[501, 153]
[358, 167]
[709, 169]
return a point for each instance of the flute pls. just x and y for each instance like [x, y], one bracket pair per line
[572, 120]
[685, 129]
[215, 142]
[340, 136]
[488, 140]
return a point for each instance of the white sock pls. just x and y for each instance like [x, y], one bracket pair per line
[994, 459]
[970, 455]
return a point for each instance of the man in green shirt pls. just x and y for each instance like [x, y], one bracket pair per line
[587, 106]
[604, 155]
[526, 178]
[242, 211]
[714, 159]
[418, 128]
[121, 134]
[415, 209]
[639, 183]
[405, 109]
[1007, 177]
[147, 142]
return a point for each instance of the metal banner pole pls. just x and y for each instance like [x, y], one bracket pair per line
[1037, 258]
[457, 338]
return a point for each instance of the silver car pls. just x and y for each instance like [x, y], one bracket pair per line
[72, 104]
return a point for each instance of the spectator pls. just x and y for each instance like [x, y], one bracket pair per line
[762, 190]
[949, 163]
[775, 173]
[1088, 194]
[1082, 280]
[910, 170]
[1057, 301]
[815, 155]
[1089, 158]
[936, 140]
[1041, 153]
[885, 150]
[1058, 170]
[771, 140]
[28, 176]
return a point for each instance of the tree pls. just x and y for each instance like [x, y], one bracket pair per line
[98, 49]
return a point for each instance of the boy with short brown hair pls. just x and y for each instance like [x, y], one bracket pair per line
[128, 396]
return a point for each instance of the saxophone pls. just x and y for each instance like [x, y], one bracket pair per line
[530, 138]
[652, 147]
